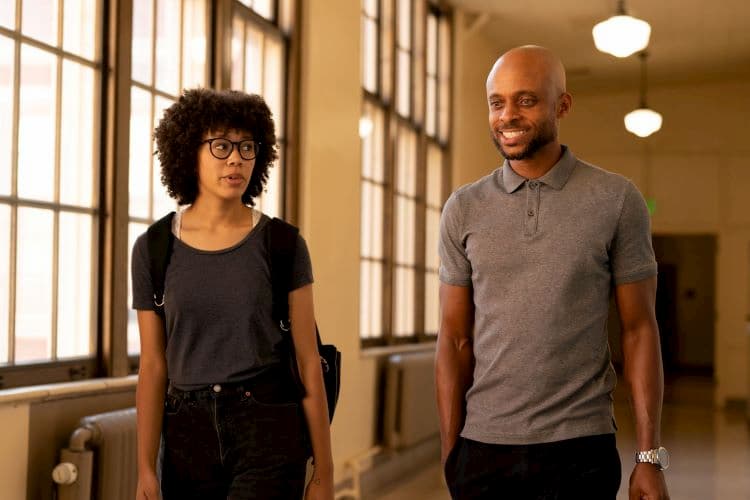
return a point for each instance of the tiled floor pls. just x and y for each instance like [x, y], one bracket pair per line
[710, 449]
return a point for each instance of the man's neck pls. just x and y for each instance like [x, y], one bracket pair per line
[541, 163]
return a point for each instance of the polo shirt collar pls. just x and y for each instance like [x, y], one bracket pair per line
[556, 178]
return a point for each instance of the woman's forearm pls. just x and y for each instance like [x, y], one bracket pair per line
[316, 413]
[150, 394]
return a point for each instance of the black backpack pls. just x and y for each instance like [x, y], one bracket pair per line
[282, 242]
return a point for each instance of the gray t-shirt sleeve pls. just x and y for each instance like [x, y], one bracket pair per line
[143, 290]
[302, 273]
[632, 255]
[455, 267]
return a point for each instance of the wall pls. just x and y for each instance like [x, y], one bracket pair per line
[697, 169]
[331, 100]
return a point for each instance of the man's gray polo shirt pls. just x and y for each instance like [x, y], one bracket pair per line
[542, 257]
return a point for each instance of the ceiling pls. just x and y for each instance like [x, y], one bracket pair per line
[691, 40]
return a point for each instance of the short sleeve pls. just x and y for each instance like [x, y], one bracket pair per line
[143, 290]
[302, 274]
[455, 267]
[632, 254]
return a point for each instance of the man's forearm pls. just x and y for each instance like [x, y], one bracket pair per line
[643, 374]
[453, 375]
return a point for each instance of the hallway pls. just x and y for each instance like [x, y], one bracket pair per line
[710, 449]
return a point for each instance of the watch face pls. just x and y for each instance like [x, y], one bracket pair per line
[662, 456]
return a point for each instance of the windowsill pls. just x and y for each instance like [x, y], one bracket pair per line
[377, 352]
[50, 392]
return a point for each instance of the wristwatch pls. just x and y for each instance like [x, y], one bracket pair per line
[658, 456]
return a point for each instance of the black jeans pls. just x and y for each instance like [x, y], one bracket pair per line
[586, 468]
[236, 441]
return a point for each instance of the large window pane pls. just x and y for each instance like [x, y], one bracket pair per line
[143, 22]
[403, 84]
[36, 140]
[371, 299]
[405, 230]
[372, 133]
[8, 14]
[140, 152]
[168, 46]
[6, 110]
[273, 85]
[407, 162]
[74, 286]
[404, 303]
[162, 203]
[194, 48]
[434, 176]
[4, 281]
[238, 52]
[33, 290]
[431, 304]
[369, 54]
[77, 135]
[80, 22]
[39, 20]
[253, 60]
[372, 220]
[404, 23]
[432, 231]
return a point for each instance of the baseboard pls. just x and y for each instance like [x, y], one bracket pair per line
[393, 466]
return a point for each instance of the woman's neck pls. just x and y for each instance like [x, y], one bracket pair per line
[212, 213]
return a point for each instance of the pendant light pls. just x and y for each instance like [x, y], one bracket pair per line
[621, 35]
[643, 121]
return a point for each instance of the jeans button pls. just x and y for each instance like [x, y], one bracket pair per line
[217, 388]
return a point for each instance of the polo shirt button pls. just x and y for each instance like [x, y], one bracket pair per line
[533, 184]
[530, 213]
[217, 388]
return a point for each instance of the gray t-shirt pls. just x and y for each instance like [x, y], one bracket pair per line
[542, 257]
[218, 307]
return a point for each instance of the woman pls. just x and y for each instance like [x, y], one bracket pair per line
[210, 383]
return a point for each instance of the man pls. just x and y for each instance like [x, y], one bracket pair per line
[530, 256]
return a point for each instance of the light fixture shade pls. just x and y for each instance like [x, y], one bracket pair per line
[621, 35]
[643, 122]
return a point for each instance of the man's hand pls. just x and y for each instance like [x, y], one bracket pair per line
[647, 483]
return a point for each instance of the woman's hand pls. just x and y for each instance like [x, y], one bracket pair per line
[148, 487]
[319, 488]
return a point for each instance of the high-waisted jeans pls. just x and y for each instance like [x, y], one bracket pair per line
[586, 468]
[234, 441]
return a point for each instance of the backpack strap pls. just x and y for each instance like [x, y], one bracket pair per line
[282, 247]
[160, 242]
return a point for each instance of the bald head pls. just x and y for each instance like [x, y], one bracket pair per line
[526, 98]
[534, 62]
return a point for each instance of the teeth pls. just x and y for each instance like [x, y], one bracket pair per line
[513, 133]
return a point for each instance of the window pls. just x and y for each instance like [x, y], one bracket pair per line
[167, 57]
[50, 80]
[77, 162]
[405, 138]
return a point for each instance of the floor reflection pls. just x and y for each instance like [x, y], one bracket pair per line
[710, 449]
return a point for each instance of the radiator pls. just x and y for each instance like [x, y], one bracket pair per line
[100, 461]
[410, 408]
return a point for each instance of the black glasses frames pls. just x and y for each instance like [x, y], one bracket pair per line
[222, 148]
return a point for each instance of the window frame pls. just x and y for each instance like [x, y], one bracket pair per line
[385, 98]
[110, 201]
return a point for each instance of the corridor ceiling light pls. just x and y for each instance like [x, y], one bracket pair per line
[643, 121]
[621, 35]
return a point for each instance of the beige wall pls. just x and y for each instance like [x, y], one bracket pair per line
[697, 168]
[14, 434]
[331, 100]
